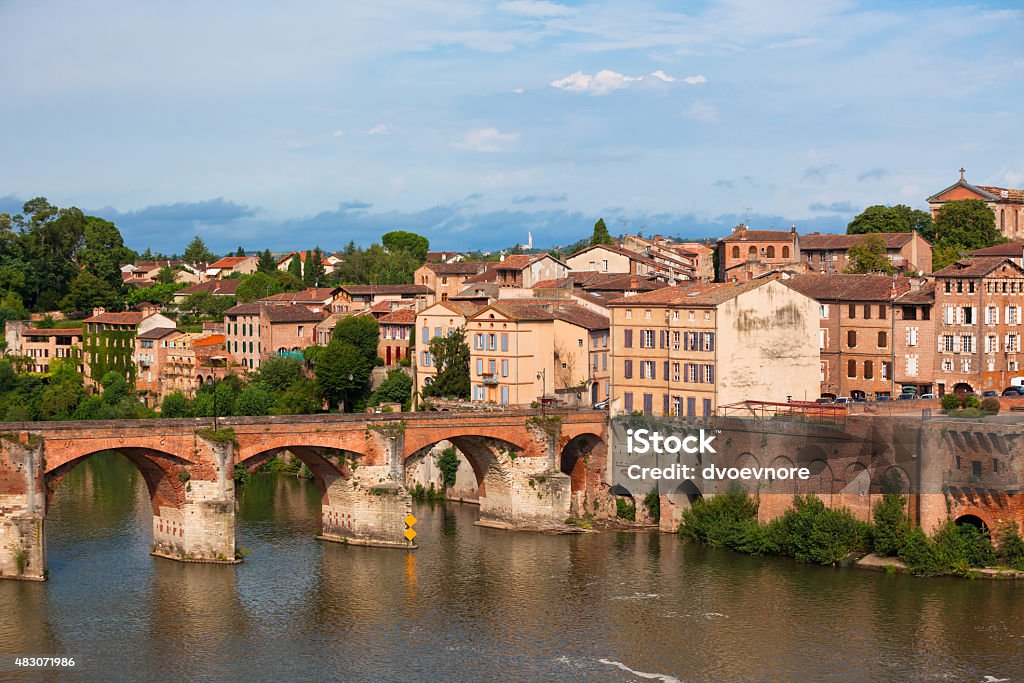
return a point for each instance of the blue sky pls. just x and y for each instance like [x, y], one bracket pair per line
[262, 125]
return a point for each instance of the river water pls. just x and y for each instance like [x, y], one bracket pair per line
[475, 604]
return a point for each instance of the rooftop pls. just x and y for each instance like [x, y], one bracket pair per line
[215, 287]
[973, 266]
[692, 293]
[843, 287]
[230, 261]
[816, 240]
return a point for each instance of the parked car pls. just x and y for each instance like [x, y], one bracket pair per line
[883, 398]
[843, 400]
[905, 397]
[927, 395]
[1012, 391]
[823, 399]
[986, 394]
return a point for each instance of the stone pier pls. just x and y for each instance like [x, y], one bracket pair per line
[22, 508]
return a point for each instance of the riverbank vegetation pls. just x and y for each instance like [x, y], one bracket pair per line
[811, 532]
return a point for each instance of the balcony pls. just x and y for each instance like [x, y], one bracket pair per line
[490, 379]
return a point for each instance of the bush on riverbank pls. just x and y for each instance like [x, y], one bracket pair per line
[1009, 546]
[952, 549]
[892, 525]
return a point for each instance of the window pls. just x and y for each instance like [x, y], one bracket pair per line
[851, 339]
[492, 340]
[504, 341]
[707, 407]
[708, 341]
[770, 252]
[824, 310]
[647, 369]
[867, 311]
[992, 344]
[885, 369]
[852, 312]
[648, 404]
[675, 340]
[707, 315]
[912, 336]
[882, 340]
[647, 314]
[882, 312]
[851, 368]
[967, 315]
[785, 252]
[629, 314]
[627, 339]
[298, 332]
[1011, 343]
[675, 372]
[948, 315]
[948, 343]
[627, 400]
[689, 315]
[821, 339]
[869, 370]
[646, 339]
[947, 365]
[967, 343]
[909, 313]
[579, 342]
[627, 369]
[735, 252]
[677, 405]
[992, 315]
[1012, 315]
[912, 366]
[709, 374]
[479, 366]
[965, 364]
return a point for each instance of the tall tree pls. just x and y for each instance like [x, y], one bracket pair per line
[239, 251]
[259, 285]
[403, 240]
[363, 332]
[870, 254]
[451, 358]
[103, 251]
[315, 274]
[266, 264]
[197, 252]
[307, 269]
[341, 373]
[295, 266]
[601, 234]
[87, 291]
[962, 226]
[899, 218]
[50, 240]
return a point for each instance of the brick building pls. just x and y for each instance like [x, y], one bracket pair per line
[253, 332]
[108, 340]
[1007, 204]
[908, 252]
[857, 331]
[914, 338]
[690, 349]
[42, 345]
[978, 304]
[446, 279]
[747, 253]
[396, 329]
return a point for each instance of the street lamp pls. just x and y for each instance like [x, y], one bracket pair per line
[542, 376]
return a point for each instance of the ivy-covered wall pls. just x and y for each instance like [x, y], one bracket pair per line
[110, 350]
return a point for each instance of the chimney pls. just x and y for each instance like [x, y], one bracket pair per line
[633, 283]
[98, 310]
[792, 230]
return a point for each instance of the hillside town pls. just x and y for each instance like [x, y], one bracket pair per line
[917, 304]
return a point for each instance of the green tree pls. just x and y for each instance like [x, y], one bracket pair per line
[175, 405]
[342, 373]
[278, 373]
[239, 252]
[451, 358]
[402, 240]
[961, 226]
[267, 264]
[601, 234]
[870, 255]
[259, 285]
[198, 252]
[295, 266]
[396, 388]
[300, 398]
[315, 274]
[363, 332]
[166, 276]
[103, 251]
[88, 291]
[198, 304]
[47, 246]
[899, 218]
[254, 400]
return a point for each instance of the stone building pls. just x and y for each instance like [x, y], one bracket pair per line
[978, 304]
[857, 331]
[689, 350]
[531, 350]
[1007, 204]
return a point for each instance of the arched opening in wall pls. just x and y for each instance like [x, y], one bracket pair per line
[583, 452]
[489, 468]
[106, 504]
[972, 520]
[687, 493]
[963, 388]
[319, 464]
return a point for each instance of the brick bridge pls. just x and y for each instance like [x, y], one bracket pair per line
[530, 468]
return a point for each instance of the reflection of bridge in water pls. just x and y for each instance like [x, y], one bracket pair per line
[530, 469]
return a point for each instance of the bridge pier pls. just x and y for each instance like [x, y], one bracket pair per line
[367, 508]
[202, 527]
[22, 509]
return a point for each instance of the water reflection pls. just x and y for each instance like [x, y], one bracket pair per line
[476, 603]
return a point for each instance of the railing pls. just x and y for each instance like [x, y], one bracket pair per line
[794, 410]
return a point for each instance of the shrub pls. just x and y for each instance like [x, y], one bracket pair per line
[810, 532]
[892, 524]
[950, 402]
[722, 521]
[961, 547]
[918, 553]
[624, 509]
[990, 405]
[971, 401]
[448, 463]
[652, 501]
[1010, 546]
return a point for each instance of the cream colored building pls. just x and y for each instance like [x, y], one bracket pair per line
[438, 320]
[689, 350]
[523, 351]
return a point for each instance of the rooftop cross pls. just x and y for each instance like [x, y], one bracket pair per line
[962, 171]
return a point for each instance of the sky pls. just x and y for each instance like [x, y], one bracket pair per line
[290, 125]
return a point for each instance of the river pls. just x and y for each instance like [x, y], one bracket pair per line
[475, 604]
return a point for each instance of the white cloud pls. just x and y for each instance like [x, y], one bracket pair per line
[536, 8]
[379, 129]
[338, 133]
[601, 83]
[695, 80]
[701, 111]
[519, 91]
[662, 76]
[487, 140]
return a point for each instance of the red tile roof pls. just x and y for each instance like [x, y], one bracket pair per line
[975, 266]
[52, 332]
[692, 294]
[1009, 249]
[815, 240]
[403, 316]
[129, 318]
[1011, 194]
[230, 261]
[843, 287]
[457, 268]
[387, 289]
[215, 287]
[211, 340]
[547, 309]
[759, 236]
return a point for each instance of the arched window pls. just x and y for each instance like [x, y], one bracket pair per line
[736, 252]
[785, 252]
[752, 251]
[770, 252]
